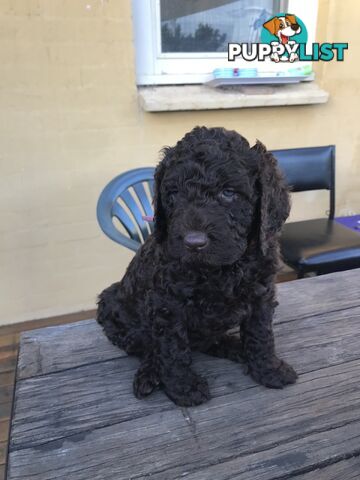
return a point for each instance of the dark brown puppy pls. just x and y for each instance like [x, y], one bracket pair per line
[208, 267]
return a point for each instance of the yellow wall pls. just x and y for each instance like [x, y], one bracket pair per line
[70, 122]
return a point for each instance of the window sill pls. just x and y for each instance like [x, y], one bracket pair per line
[201, 97]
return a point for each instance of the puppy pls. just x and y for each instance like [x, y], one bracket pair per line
[208, 267]
[283, 28]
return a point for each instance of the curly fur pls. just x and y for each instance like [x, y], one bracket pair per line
[173, 300]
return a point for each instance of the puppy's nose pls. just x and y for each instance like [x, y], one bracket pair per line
[196, 240]
[295, 26]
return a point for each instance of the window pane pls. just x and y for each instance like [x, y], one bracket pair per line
[209, 25]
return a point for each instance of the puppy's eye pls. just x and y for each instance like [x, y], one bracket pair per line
[172, 194]
[228, 194]
[282, 25]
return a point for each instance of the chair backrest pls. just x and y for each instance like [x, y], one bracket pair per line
[127, 198]
[311, 168]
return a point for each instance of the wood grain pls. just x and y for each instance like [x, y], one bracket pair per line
[313, 296]
[6, 393]
[81, 343]
[283, 461]
[45, 322]
[262, 429]
[8, 356]
[5, 411]
[7, 378]
[76, 417]
[346, 469]
[3, 451]
[99, 384]
[9, 338]
[4, 429]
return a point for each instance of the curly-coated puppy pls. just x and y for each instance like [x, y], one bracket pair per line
[208, 267]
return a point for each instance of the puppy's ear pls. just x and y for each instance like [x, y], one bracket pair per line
[291, 18]
[272, 25]
[274, 203]
[159, 213]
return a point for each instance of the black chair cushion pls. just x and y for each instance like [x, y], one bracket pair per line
[320, 245]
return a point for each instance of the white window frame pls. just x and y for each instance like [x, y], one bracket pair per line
[156, 68]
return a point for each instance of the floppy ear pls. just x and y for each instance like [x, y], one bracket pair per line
[159, 214]
[272, 25]
[291, 18]
[274, 205]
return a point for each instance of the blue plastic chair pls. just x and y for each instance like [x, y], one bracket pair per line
[126, 199]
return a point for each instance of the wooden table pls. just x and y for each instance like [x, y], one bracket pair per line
[75, 416]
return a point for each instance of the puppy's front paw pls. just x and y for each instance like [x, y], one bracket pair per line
[188, 390]
[274, 374]
[145, 381]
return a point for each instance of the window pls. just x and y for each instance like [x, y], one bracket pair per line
[183, 42]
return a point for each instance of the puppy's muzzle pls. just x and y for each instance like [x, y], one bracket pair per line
[195, 240]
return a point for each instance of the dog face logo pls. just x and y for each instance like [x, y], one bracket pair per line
[283, 27]
[284, 38]
[284, 32]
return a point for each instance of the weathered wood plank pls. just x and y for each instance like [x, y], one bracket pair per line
[3, 450]
[83, 342]
[6, 393]
[7, 378]
[8, 356]
[333, 339]
[317, 295]
[284, 461]
[17, 328]
[348, 469]
[57, 348]
[316, 342]
[5, 411]
[260, 434]
[78, 418]
[4, 429]
[9, 339]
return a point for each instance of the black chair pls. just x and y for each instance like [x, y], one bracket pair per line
[321, 245]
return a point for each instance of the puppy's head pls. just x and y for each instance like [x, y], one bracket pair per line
[214, 194]
[283, 27]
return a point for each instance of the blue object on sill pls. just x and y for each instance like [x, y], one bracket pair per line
[235, 72]
[251, 76]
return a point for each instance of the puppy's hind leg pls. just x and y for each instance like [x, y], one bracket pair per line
[116, 323]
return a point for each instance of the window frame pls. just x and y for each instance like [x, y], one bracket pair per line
[156, 68]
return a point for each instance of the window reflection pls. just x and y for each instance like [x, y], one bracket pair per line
[209, 25]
